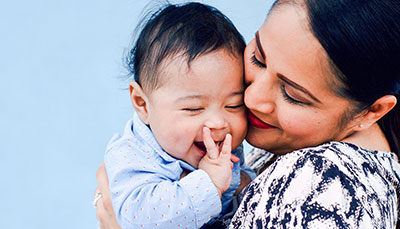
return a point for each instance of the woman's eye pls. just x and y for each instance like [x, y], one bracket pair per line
[291, 99]
[256, 62]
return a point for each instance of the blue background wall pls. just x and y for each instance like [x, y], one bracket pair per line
[61, 99]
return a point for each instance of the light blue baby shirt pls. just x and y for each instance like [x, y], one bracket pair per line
[146, 188]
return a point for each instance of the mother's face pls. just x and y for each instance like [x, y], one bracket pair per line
[289, 96]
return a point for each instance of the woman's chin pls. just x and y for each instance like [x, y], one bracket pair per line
[266, 142]
[257, 139]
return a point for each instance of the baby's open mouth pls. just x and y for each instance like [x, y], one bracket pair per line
[203, 148]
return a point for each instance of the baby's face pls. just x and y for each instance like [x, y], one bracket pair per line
[209, 93]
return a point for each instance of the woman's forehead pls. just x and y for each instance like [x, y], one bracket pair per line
[292, 50]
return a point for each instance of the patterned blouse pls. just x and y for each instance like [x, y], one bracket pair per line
[334, 185]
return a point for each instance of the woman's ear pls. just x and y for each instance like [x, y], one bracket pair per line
[380, 108]
[139, 101]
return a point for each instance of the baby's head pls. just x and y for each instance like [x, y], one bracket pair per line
[188, 70]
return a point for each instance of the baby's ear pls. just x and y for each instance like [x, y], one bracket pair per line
[139, 101]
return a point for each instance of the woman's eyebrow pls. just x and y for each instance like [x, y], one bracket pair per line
[298, 87]
[260, 48]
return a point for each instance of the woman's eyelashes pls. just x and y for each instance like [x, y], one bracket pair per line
[290, 99]
[256, 62]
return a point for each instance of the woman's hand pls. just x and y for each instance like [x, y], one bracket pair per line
[104, 209]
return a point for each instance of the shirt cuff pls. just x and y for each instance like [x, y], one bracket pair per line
[203, 195]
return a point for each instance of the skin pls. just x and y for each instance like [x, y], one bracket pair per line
[292, 59]
[198, 112]
[278, 122]
[290, 94]
[193, 97]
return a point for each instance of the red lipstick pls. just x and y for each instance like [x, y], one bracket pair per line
[256, 122]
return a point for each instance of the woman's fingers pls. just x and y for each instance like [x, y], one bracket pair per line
[212, 149]
[103, 186]
[102, 178]
[104, 209]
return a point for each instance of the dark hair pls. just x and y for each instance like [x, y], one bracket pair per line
[190, 30]
[362, 40]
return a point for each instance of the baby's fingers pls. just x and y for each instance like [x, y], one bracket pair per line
[212, 149]
[234, 158]
[227, 146]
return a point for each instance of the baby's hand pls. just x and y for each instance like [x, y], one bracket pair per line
[218, 165]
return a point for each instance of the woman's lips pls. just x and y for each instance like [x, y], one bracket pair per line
[256, 122]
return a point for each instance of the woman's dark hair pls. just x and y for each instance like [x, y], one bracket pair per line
[189, 30]
[362, 40]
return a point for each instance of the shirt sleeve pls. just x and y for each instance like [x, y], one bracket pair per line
[145, 196]
[227, 196]
[243, 165]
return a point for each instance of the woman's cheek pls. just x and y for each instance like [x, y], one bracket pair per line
[297, 124]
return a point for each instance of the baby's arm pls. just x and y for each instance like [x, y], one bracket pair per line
[144, 197]
[218, 165]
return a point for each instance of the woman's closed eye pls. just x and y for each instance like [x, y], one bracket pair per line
[257, 62]
[290, 99]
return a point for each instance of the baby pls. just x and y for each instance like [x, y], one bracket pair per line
[173, 166]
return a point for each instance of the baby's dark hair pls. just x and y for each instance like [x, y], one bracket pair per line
[189, 30]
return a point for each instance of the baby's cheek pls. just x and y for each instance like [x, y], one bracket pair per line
[187, 131]
[239, 133]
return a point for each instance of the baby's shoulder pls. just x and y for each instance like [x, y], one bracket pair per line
[130, 149]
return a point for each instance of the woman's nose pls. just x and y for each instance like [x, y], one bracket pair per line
[260, 95]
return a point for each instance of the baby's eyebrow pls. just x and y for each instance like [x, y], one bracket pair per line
[199, 97]
[189, 97]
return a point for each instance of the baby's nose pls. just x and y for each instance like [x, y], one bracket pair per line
[216, 122]
[218, 134]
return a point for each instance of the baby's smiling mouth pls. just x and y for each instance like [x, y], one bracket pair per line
[202, 147]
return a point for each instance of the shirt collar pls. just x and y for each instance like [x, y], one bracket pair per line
[141, 130]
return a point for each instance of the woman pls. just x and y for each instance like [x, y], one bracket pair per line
[323, 83]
